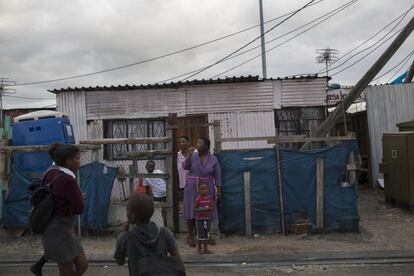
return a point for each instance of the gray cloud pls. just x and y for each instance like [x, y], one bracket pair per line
[50, 39]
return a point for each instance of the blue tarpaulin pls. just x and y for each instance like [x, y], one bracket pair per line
[16, 206]
[96, 180]
[298, 171]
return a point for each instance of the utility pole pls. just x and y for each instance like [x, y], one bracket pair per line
[410, 74]
[264, 70]
[365, 80]
[4, 82]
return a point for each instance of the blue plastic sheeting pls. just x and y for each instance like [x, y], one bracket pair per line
[264, 195]
[298, 171]
[96, 180]
[16, 207]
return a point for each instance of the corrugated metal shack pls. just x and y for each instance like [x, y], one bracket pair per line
[387, 105]
[245, 106]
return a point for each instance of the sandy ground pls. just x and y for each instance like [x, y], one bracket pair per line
[382, 227]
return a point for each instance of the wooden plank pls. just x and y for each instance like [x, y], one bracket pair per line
[247, 139]
[34, 148]
[169, 171]
[127, 141]
[289, 139]
[217, 137]
[320, 193]
[148, 175]
[150, 153]
[247, 204]
[191, 125]
[280, 182]
[352, 172]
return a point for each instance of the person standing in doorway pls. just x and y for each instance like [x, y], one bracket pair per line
[203, 167]
[182, 155]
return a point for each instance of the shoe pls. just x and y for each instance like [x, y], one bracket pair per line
[36, 270]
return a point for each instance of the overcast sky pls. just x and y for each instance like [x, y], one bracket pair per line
[49, 39]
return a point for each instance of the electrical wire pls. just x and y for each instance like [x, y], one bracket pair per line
[161, 56]
[267, 42]
[286, 41]
[370, 38]
[403, 62]
[369, 47]
[362, 58]
[247, 44]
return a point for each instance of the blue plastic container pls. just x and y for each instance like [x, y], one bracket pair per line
[39, 131]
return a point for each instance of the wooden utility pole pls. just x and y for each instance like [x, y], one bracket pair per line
[410, 74]
[365, 80]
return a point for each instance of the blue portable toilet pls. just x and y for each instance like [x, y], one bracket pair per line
[36, 128]
[39, 128]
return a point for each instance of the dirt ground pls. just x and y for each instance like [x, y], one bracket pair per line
[382, 227]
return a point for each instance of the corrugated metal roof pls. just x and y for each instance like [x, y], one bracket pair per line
[241, 79]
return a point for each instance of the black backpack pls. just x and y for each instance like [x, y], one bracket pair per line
[41, 202]
[156, 263]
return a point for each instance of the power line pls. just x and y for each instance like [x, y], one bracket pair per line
[374, 44]
[343, 7]
[247, 44]
[334, 11]
[399, 69]
[164, 55]
[403, 62]
[359, 60]
[371, 37]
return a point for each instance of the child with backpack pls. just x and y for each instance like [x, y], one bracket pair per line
[203, 208]
[151, 250]
[37, 267]
[59, 241]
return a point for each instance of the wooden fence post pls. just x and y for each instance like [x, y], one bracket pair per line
[247, 204]
[133, 170]
[279, 175]
[320, 181]
[169, 172]
[174, 177]
[351, 168]
[217, 137]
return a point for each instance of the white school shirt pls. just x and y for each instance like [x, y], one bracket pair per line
[158, 185]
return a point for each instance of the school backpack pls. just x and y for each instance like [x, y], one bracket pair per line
[42, 204]
[157, 263]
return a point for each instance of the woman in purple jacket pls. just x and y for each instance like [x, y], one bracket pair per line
[202, 166]
[59, 241]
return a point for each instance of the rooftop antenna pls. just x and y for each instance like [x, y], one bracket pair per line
[327, 56]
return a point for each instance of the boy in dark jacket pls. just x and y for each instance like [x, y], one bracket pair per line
[140, 209]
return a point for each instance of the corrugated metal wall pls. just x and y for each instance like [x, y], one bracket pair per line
[141, 103]
[387, 105]
[244, 124]
[229, 97]
[197, 99]
[304, 92]
[73, 104]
